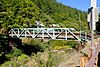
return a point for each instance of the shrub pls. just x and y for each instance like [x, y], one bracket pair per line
[72, 44]
[9, 64]
[14, 53]
[23, 57]
[62, 44]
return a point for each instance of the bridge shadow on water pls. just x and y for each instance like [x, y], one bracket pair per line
[7, 44]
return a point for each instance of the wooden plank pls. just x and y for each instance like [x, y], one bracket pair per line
[83, 61]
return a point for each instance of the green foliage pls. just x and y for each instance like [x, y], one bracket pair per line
[63, 15]
[36, 42]
[41, 59]
[62, 44]
[48, 58]
[24, 13]
[53, 44]
[10, 64]
[23, 57]
[72, 44]
[14, 53]
[19, 12]
[17, 62]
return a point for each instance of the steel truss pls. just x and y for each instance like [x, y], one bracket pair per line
[50, 33]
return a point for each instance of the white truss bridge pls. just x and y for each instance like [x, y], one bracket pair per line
[45, 33]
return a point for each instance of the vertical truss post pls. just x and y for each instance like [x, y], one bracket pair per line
[53, 37]
[18, 32]
[85, 36]
[33, 33]
[12, 33]
[25, 33]
[42, 33]
[66, 34]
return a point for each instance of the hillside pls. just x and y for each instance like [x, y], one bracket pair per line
[29, 52]
[63, 15]
[24, 13]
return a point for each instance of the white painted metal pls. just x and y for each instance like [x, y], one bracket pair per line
[96, 14]
[93, 3]
[93, 14]
[50, 33]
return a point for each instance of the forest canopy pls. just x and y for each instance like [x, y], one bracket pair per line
[24, 13]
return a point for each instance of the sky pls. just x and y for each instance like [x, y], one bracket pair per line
[79, 4]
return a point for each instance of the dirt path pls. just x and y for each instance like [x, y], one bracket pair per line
[74, 59]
